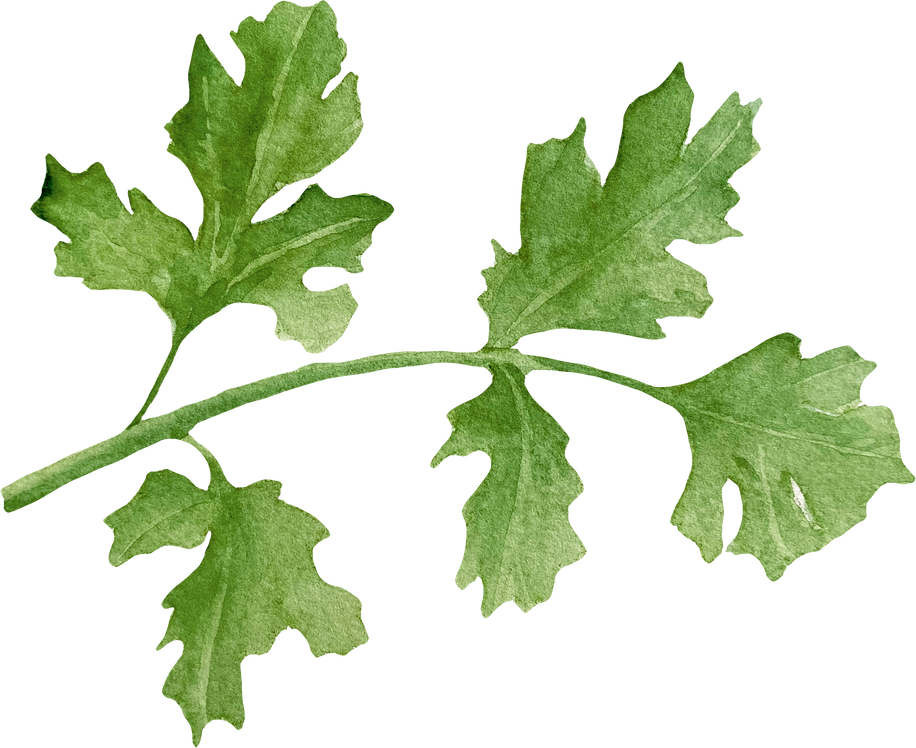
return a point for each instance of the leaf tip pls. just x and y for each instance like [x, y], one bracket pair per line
[51, 159]
[679, 68]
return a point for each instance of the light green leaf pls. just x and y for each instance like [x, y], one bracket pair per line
[257, 578]
[519, 534]
[316, 231]
[594, 257]
[313, 319]
[795, 438]
[113, 248]
[241, 144]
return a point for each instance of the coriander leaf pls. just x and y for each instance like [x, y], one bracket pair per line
[792, 433]
[594, 257]
[519, 534]
[257, 578]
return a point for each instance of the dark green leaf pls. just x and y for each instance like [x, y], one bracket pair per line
[257, 578]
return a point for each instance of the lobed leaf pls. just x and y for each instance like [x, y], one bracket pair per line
[593, 257]
[241, 144]
[519, 534]
[113, 248]
[257, 578]
[795, 438]
[316, 231]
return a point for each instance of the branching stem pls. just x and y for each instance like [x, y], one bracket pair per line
[178, 423]
[177, 338]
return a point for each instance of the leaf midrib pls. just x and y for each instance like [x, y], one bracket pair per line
[279, 250]
[266, 134]
[260, 154]
[216, 620]
[577, 271]
[783, 434]
[523, 472]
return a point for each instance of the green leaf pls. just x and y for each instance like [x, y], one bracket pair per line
[241, 144]
[519, 534]
[113, 248]
[316, 231]
[257, 578]
[593, 257]
[793, 435]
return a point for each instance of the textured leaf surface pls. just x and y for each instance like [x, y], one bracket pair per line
[257, 578]
[593, 257]
[795, 438]
[518, 528]
[241, 144]
[316, 231]
[113, 248]
[244, 143]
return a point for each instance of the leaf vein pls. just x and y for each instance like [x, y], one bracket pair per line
[290, 245]
[576, 272]
[784, 434]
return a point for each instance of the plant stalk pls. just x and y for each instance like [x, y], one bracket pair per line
[178, 423]
[177, 338]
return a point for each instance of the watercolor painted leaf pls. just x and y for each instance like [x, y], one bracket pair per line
[518, 531]
[313, 319]
[241, 143]
[140, 249]
[316, 231]
[257, 578]
[594, 257]
[793, 435]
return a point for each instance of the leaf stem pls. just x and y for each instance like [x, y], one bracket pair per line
[177, 339]
[552, 364]
[217, 476]
[178, 423]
